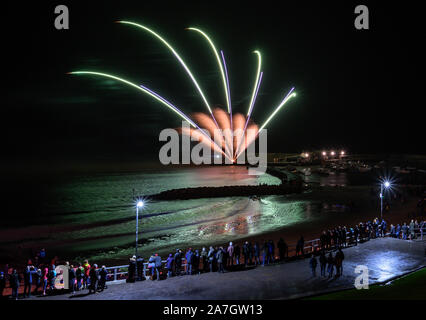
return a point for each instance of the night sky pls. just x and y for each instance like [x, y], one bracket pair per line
[356, 89]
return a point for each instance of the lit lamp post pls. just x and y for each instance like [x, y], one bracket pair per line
[139, 204]
[383, 185]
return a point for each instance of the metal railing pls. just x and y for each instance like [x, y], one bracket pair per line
[117, 272]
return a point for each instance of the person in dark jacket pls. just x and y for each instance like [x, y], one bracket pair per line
[178, 262]
[204, 259]
[339, 262]
[313, 265]
[79, 273]
[103, 273]
[264, 253]
[169, 265]
[210, 257]
[271, 251]
[282, 249]
[196, 262]
[300, 246]
[2, 283]
[219, 259]
[94, 278]
[132, 269]
[237, 254]
[14, 281]
[330, 266]
[139, 267]
[28, 280]
[189, 261]
[52, 278]
[71, 278]
[246, 253]
[323, 263]
[256, 253]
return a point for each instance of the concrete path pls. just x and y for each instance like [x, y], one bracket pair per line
[385, 259]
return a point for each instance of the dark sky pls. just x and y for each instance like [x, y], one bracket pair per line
[356, 89]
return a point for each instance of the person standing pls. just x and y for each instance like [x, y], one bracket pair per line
[79, 273]
[264, 253]
[28, 280]
[158, 265]
[237, 253]
[323, 262]
[204, 259]
[178, 262]
[300, 246]
[14, 281]
[196, 262]
[384, 227]
[282, 249]
[210, 257]
[230, 254]
[313, 265]
[398, 231]
[330, 265]
[256, 253]
[339, 262]
[188, 257]
[246, 253]
[2, 283]
[412, 230]
[86, 279]
[169, 265]
[139, 268]
[392, 231]
[219, 259]
[71, 278]
[356, 234]
[52, 278]
[94, 278]
[132, 269]
[103, 273]
[151, 265]
[45, 278]
[271, 251]
[404, 230]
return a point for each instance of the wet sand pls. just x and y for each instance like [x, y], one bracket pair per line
[364, 211]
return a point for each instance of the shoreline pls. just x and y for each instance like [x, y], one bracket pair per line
[291, 233]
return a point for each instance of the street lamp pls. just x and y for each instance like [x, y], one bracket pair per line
[386, 185]
[139, 204]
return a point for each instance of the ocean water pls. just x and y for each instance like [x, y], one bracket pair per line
[93, 216]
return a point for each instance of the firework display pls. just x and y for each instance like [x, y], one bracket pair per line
[232, 128]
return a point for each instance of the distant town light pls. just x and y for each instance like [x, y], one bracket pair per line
[387, 184]
[332, 153]
[324, 153]
[139, 204]
[342, 153]
[306, 155]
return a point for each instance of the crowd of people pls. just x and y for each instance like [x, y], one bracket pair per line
[41, 278]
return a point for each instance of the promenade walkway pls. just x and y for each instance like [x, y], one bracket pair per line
[385, 258]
